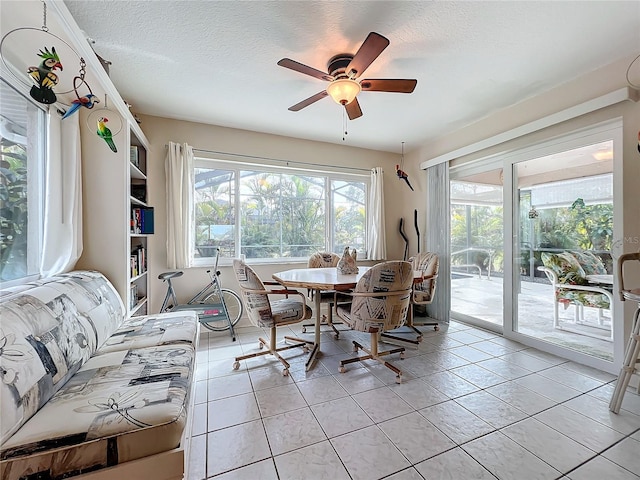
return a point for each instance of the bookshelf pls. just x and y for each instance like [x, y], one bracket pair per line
[114, 188]
[140, 227]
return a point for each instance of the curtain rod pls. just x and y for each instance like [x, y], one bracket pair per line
[254, 157]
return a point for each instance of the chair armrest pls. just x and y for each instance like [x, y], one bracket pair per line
[427, 278]
[551, 275]
[624, 258]
[393, 293]
[284, 292]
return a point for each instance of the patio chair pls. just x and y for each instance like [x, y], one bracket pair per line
[567, 272]
[267, 313]
[632, 351]
[380, 302]
[422, 294]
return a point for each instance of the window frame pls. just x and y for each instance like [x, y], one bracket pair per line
[37, 147]
[329, 175]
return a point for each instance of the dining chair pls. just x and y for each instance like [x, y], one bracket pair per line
[422, 293]
[327, 297]
[379, 303]
[266, 313]
[632, 350]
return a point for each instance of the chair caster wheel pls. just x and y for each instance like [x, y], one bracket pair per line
[398, 379]
[305, 349]
[419, 339]
[285, 372]
[401, 355]
[260, 346]
[341, 369]
[337, 335]
[236, 365]
[304, 329]
[436, 328]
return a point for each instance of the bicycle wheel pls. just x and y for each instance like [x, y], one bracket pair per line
[234, 308]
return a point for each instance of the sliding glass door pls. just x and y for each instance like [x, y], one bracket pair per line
[563, 221]
[477, 252]
[532, 245]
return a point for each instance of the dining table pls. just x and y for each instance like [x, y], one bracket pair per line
[323, 279]
[318, 279]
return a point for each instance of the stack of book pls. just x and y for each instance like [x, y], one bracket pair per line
[134, 156]
[142, 220]
[138, 261]
[133, 297]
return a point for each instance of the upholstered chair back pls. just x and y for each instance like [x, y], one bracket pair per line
[427, 263]
[382, 312]
[323, 260]
[257, 304]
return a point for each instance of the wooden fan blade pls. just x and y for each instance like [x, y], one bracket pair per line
[308, 101]
[307, 70]
[373, 46]
[389, 85]
[353, 109]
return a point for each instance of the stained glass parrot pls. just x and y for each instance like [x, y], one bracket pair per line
[87, 101]
[44, 77]
[104, 133]
[403, 175]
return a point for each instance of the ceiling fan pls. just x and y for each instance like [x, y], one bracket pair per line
[343, 72]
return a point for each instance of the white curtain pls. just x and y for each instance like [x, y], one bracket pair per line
[62, 236]
[376, 241]
[180, 221]
[438, 237]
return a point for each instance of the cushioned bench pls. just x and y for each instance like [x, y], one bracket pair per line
[85, 390]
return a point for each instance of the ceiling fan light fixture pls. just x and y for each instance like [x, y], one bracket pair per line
[344, 90]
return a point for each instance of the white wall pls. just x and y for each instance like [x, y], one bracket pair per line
[160, 131]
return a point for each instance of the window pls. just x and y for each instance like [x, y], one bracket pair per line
[22, 140]
[276, 213]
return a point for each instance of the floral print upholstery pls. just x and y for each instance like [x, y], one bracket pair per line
[385, 312]
[571, 268]
[261, 311]
[590, 263]
[566, 267]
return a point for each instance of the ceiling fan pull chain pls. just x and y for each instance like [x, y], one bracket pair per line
[344, 123]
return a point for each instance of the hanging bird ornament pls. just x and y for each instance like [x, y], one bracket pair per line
[104, 133]
[44, 77]
[87, 101]
[401, 173]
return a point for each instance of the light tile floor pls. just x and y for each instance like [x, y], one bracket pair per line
[472, 405]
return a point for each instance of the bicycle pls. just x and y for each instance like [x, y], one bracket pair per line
[213, 303]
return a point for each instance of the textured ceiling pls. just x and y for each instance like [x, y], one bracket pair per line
[215, 61]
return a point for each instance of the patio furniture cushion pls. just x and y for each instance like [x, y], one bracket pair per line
[571, 271]
[566, 266]
[118, 407]
[590, 263]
